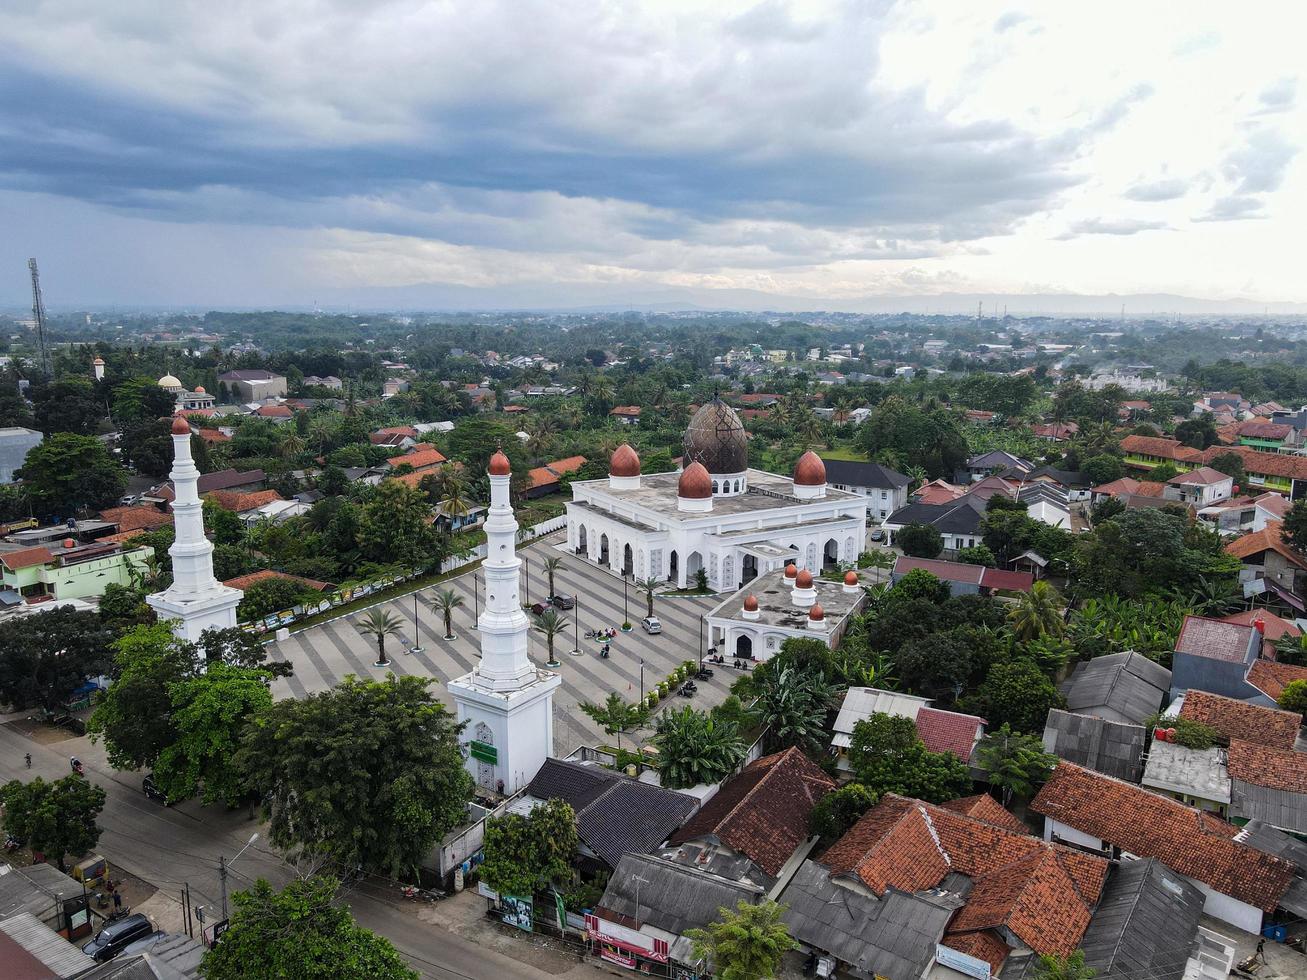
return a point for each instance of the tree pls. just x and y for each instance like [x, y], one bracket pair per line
[1197, 433]
[147, 447]
[695, 747]
[446, 601]
[1294, 531]
[380, 624]
[746, 944]
[918, 584]
[209, 712]
[616, 715]
[299, 931]
[650, 587]
[1102, 469]
[68, 472]
[122, 607]
[1231, 464]
[1105, 510]
[224, 526]
[551, 565]
[937, 665]
[68, 404]
[139, 400]
[931, 439]
[526, 854]
[369, 773]
[920, 541]
[394, 527]
[1064, 967]
[1163, 471]
[44, 658]
[1037, 613]
[1016, 763]
[1008, 531]
[134, 717]
[793, 707]
[978, 555]
[1018, 694]
[332, 481]
[550, 624]
[888, 756]
[1294, 697]
[270, 595]
[839, 810]
[57, 818]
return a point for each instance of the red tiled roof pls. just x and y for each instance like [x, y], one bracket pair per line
[1241, 720]
[1262, 429]
[418, 459]
[1042, 892]
[1254, 461]
[212, 435]
[1271, 678]
[627, 410]
[1264, 766]
[949, 731]
[985, 807]
[238, 502]
[1202, 636]
[1064, 430]
[1274, 503]
[1186, 840]
[551, 473]
[945, 571]
[1274, 626]
[1203, 476]
[763, 812]
[245, 581]
[982, 945]
[1267, 539]
[1007, 581]
[274, 412]
[937, 492]
[397, 430]
[136, 518]
[26, 558]
[1121, 486]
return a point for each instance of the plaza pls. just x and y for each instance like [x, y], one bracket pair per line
[324, 654]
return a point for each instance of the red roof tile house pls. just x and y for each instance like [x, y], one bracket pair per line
[1011, 890]
[939, 730]
[1281, 570]
[626, 414]
[1240, 884]
[548, 479]
[1241, 720]
[1212, 655]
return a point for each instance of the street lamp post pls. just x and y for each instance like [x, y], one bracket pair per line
[626, 612]
[576, 626]
[417, 629]
[642, 682]
[222, 871]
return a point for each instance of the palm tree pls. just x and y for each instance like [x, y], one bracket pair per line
[292, 446]
[1038, 613]
[551, 565]
[746, 943]
[446, 601]
[380, 624]
[615, 715]
[1017, 764]
[648, 586]
[540, 433]
[793, 708]
[696, 748]
[917, 475]
[550, 624]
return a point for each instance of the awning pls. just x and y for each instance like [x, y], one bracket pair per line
[9, 597]
[1287, 596]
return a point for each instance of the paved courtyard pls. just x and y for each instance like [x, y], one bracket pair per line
[323, 655]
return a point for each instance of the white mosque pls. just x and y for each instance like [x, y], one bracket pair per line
[715, 514]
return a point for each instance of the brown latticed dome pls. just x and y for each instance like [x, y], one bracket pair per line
[791, 571]
[499, 464]
[180, 427]
[715, 437]
[695, 483]
[810, 471]
[816, 613]
[751, 603]
[625, 461]
[804, 580]
[850, 577]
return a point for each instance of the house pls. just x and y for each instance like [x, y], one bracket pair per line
[1055, 431]
[228, 479]
[1281, 472]
[885, 489]
[1265, 435]
[958, 521]
[1196, 777]
[939, 730]
[420, 459]
[1240, 884]
[1239, 720]
[1111, 747]
[1231, 516]
[1263, 837]
[1120, 687]
[1268, 784]
[1047, 503]
[1269, 679]
[254, 385]
[330, 381]
[1076, 485]
[394, 386]
[1271, 565]
[1200, 488]
[41, 891]
[15, 443]
[936, 492]
[243, 582]
[626, 414]
[69, 571]
[242, 502]
[1008, 892]
[964, 579]
[1270, 507]
[32, 950]
[199, 402]
[403, 436]
[981, 466]
[275, 413]
[1211, 655]
[548, 479]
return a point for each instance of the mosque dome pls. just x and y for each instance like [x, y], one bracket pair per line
[715, 437]
[180, 427]
[499, 464]
[804, 580]
[791, 571]
[170, 383]
[751, 603]
[199, 390]
[850, 577]
[625, 462]
[695, 483]
[816, 614]
[810, 471]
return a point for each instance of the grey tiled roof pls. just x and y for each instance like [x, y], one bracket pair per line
[1110, 747]
[573, 783]
[1119, 687]
[1278, 807]
[1264, 837]
[671, 897]
[1146, 925]
[853, 473]
[893, 936]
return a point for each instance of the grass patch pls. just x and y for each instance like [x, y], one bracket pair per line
[847, 453]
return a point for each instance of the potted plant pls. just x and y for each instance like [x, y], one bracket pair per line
[626, 627]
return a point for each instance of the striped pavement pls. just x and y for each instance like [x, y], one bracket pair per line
[324, 654]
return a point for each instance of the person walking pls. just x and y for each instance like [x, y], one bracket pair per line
[28, 759]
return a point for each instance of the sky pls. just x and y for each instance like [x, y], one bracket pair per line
[511, 153]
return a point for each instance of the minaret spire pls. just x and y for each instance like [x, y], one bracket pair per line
[504, 665]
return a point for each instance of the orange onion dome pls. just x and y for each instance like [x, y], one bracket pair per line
[695, 483]
[625, 461]
[804, 580]
[180, 427]
[850, 577]
[816, 613]
[199, 389]
[499, 465]
[791, 571]
[810, 471]
[751, 603]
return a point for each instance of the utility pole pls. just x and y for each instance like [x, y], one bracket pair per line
[38, 314]
[417, 629]
[222, 876]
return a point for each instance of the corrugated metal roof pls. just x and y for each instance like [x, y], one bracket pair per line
[1126, 687]
[1146, 925]
[1264, 837]
[671, 897]
[1110, 747]
[1277, 807]
[56, 953]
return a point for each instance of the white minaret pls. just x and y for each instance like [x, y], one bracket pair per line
[507, 701]
[196, 600]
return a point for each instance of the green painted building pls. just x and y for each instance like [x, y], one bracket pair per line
[78, 572]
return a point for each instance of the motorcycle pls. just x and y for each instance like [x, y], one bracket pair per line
[12, 844]
[77, 766]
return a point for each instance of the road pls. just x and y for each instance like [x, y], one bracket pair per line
[173, 846]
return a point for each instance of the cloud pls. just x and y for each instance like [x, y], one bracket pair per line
[1259, 164]
[1110, 226]
[1009, 20]
[1163, 189]
[1233, 208]
[1279, 96]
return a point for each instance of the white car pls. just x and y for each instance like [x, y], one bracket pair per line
[651, 625]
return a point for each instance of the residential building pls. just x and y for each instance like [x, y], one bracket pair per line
[1121, 687]
[330, 381]
[981, 466]
[965, 579]
[394, 386]
[548, 479]
[1111, 747]
[241, 502]
[1281, 472]
[1055, 431]
[15, 443]
[198, 401]
[885, 489]
[626, 414]
[253, 385]
[1240, 884]
[1076, 485]
[1271, 567]
[1239, 720]
[1211, 655]
[936, 492]
[776, 606]
[69, 571]
[1201, 487]
[939, 730]
[957, 521]
[1270, 507]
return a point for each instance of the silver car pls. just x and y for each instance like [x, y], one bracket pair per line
[651, 625]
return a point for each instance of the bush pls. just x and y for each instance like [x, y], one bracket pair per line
[1188, 733]
[920, 541]
[1294, 697]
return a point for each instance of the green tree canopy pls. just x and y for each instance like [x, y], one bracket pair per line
[526, 854]
[617, 715]
[1018, 694]
[1102, 469]
[696, 747]
[793, 707]
[273, 595]
[1294, 697]
[68, 472]
[920, 541]
[369, 772]
[888, 756]
[134, 717]
[1017, 764]
[394, 528]
[299, 932]
[68, 404]
[44, 658]
[745, 944]
[57, 818]
[839, 810]
[141, 400]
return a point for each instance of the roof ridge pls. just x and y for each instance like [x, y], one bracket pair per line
[776, 758]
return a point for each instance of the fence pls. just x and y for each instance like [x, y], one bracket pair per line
[461, 845]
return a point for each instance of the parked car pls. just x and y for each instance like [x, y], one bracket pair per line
[877, 533]
[152, 790]
[538, 608]
[651, 625]
[117, 936]
[564, 601]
